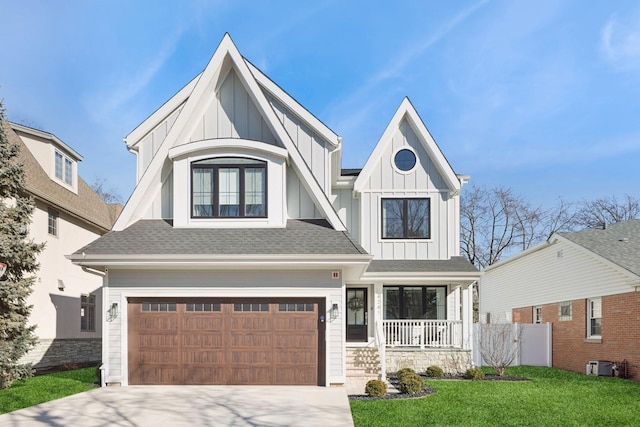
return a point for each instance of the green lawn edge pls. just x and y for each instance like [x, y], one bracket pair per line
[552, 397]
[43, 388]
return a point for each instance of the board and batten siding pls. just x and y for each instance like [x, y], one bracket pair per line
[299, 204]
[152, 141]
[313, 149]
[348, 210]
[231, 113]
[424, 181]
[224, 284]
[556, 273]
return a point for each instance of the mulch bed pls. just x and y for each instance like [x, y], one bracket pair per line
[426, 391]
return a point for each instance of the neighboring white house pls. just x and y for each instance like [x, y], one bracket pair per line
[66, 298]
[586, 283]
[246, 255]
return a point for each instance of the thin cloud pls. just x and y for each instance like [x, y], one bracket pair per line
[400, 63]
[620, 43]
[132, 85]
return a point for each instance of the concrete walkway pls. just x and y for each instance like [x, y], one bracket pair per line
[138, 406]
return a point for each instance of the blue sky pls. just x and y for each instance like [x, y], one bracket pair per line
[541, 96]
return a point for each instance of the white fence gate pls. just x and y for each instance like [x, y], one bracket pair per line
[535, 344]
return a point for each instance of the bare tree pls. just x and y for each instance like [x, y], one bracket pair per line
[607, 210]
[495, 222]
[109, 195]
[499, 344]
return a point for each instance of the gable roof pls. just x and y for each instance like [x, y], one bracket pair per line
[158, 239]
[198, 95]
[408, 112]
[618, 243]
[86, 205]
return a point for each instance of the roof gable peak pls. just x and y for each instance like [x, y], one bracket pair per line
[406, 111]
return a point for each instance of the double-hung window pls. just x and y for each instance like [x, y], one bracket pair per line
[594, 318]
[406, 219]
[229, 187]
[63, 168]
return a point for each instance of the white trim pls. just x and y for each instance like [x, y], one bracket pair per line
[135, 292]
[238, 145]
[158, 116]
[294, 106]
[406, 110]
[180, 129]
[48, 136]
[395, 166]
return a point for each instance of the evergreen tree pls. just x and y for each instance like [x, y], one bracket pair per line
[19, 253]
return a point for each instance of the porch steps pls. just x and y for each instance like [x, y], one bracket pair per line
[363, 363]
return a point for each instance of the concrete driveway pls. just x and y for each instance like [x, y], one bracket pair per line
[191, 406]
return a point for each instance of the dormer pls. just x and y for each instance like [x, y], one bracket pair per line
[56, 158]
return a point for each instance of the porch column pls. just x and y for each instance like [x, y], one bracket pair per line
[379, 304]
[467, 317]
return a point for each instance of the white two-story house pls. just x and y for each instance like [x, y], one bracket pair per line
[66, 299]
[246, 255]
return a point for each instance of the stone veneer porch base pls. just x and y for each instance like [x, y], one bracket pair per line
[450, 360]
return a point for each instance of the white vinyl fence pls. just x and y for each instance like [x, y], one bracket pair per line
[535, 344]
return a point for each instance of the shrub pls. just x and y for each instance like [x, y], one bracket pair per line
[434, 372]
[402, 372]
[410, 383]
[474, 374]
[376, 388]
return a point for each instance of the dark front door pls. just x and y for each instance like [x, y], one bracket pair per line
[356, 314]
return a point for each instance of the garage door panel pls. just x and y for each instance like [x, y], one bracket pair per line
[246, 375]
[297, 375]
[203, 375]
[225, 342]
[192, 322]
[156, 375]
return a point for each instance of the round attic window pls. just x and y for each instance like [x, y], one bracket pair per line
[405, 160]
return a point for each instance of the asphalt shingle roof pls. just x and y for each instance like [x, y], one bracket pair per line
[618, 243]
[86, 204]
[455, 264]
[159, 237]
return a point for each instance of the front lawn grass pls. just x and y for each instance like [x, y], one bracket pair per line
[31, 391]
[552, 397]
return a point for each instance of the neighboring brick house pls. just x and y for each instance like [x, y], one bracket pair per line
[587, 284]
[68, 214]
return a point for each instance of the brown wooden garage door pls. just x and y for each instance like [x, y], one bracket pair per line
[224, 341]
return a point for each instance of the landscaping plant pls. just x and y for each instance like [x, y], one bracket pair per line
[18, 252]
[434, 372]
[474, 374]
[410, 383]
[376, 388]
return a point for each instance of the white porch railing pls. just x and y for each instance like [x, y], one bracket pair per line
[380, 343]
[423, 333]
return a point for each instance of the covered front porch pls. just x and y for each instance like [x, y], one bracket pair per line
[410, 318]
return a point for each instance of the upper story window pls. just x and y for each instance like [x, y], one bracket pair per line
[64, 168]
[405, 160]
[406, 219]
[229, 188]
